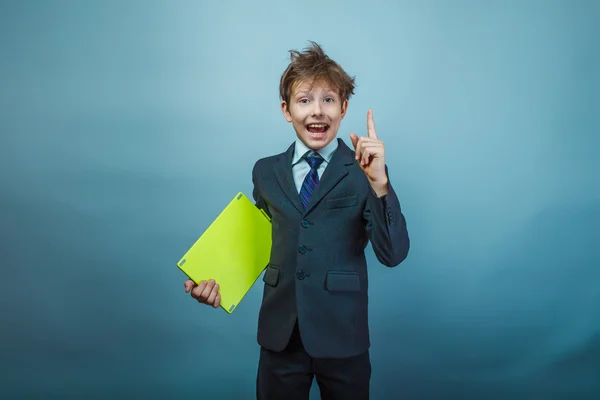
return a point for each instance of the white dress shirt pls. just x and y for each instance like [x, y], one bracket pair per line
[300, 167]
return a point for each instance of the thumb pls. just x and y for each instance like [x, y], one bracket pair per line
[354, 139]
[189, 285]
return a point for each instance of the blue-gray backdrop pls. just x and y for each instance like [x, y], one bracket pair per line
[126, 126]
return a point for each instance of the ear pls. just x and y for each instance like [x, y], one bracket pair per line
[286, 111]
[344, 108]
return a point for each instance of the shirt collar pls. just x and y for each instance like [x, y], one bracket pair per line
[326, 152]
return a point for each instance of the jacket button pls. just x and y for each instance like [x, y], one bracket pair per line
[302, 249]
[304, 223]
[300, 275]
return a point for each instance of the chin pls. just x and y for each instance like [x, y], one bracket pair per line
[318, 141]
[316, 144]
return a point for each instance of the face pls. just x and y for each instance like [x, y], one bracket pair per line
[315, 113]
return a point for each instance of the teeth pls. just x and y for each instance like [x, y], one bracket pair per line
[317, 125]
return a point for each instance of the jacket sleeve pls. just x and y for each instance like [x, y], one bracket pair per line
[258, 199]
[386, 227]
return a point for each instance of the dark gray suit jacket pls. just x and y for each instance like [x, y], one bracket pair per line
[318, 271]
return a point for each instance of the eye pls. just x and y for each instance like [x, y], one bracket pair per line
[303, 100]
[329, 100]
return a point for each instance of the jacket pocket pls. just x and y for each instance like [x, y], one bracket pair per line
[342, 281]
[341, 202]
[271, 276]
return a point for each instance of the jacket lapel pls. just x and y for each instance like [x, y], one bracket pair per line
[283, 173]
[334, 173]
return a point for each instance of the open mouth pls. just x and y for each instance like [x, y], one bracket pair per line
[317, 130]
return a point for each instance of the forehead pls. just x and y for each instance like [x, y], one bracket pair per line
[313, 86]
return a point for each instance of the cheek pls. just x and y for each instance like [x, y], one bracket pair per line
[298, 115]
[334, 112]
[299, 125]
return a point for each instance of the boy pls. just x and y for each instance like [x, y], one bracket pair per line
[325, 202]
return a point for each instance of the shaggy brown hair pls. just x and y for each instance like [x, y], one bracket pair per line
[311, 65]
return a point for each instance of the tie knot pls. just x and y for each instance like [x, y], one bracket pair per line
[314, 160]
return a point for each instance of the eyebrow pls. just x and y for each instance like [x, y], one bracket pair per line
[327, 92]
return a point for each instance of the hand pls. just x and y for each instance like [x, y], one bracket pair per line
[370, 154]
[206, 292]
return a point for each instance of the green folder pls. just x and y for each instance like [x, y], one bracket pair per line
[234, 250]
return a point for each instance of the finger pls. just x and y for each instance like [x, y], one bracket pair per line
[359, 147]
[206, 292]
[217, 302]
[366, 154]
[370, 152]
[363, 141]
[354, 139]
[374, 148]
[197, 291]
[371, 125]
[213, 294]
[189, 285]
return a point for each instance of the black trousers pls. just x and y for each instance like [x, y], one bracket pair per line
[288, 375]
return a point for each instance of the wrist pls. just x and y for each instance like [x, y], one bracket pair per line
[380, 187]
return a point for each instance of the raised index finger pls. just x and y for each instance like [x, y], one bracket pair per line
[371, 125]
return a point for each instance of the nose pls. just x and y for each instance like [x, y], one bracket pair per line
[317, 110]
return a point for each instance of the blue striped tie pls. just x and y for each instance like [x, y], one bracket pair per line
[312, 178]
